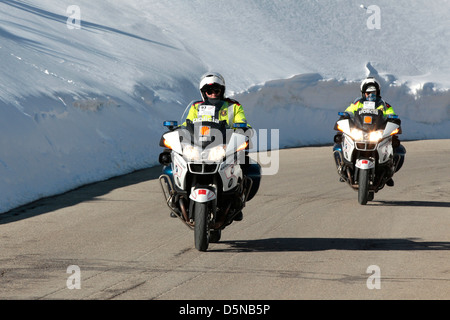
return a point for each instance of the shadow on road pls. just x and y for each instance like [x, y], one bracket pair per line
[85, 193]
[320, 244]
[436, 204]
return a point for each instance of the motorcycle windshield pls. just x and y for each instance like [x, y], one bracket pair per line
[186, 112]
[210, 141]
[369, 120]
[205, 134]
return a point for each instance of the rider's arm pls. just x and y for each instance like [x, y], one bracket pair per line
[389, 110]
[193, 111]
[239, 115]
[353, 107]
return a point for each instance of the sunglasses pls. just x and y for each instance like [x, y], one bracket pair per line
[213, 90]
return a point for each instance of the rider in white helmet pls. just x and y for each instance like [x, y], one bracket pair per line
[211, 80]
[371, 91]
[212, 88]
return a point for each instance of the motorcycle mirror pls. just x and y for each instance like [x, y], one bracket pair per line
[170, 124]
[165, 158]
[240, 125]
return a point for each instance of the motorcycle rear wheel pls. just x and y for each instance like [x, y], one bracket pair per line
[201, 230]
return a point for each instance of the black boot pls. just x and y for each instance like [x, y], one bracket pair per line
[239, 216]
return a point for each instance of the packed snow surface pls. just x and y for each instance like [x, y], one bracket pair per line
[85, 85]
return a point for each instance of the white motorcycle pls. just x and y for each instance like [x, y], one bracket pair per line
[364, 152]
[207, 177]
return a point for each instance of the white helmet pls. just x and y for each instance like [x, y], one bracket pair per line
[370, 85]
[211, 79]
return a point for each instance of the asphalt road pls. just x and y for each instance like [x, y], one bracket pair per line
[304, 236]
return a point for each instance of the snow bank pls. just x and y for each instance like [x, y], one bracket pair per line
[305, 107]
[84, 102]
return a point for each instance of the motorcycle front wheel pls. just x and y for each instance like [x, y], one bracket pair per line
[201, 230]
[363, 186]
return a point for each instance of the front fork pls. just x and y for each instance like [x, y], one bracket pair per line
[338, 157]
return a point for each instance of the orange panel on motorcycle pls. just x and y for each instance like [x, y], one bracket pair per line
[205, 131]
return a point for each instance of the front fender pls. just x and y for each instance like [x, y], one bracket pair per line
[364, 164]
[202, 194]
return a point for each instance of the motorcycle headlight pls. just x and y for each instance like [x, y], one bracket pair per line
[191, 153]
[216, 153]
[357, 134]
[376, 136]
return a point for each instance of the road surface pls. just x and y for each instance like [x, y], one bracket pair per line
[304, 236]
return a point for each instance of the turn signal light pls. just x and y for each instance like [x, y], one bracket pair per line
[242, 146]
[167, 144]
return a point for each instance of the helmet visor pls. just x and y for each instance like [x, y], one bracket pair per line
[212, 88]
[371, 89]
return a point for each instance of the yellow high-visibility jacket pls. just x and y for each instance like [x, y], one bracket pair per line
[229, 110]
[379, 104]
